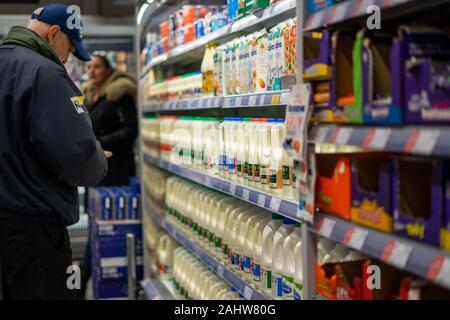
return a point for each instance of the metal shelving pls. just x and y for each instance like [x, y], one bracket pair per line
[419, 140]
[265, 99]
[247, 290]
[156, 289]
[419, 258]
[350, 10]
[250, 23]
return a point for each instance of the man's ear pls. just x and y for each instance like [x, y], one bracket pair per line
[52, 34]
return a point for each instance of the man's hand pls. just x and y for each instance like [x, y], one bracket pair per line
[108, 154]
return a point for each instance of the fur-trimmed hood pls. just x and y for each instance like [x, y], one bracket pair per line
[116, 87]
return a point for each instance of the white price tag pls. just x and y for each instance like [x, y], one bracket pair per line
[232, 189]
[341, 10]
[422, 141]
[248, 292]
[396, 253]
[252, 101]
[261, 99]
[261, 200]
[275, 204]
[220, 270]
[377, 138]
[355, 238]
[245, 194]
[315, 20]
[343, 136]
[440, 270]
[321, 134]
[326, 228]
[238, 102]
[284, 99]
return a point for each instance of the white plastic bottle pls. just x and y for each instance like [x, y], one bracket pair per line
[266, 251]
[289, 266]
[165, 250]
[241, 150]
[223, 209]
[278, 256]
[252, 136]
[324, 247]
[298, 275]
[253, 247]
[277, 133]
[244, 230]
[221, 162]
[264, 153]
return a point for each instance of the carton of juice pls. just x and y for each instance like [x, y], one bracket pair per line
[253, 59]
[262, 62]
[244, 66]
[290, 36]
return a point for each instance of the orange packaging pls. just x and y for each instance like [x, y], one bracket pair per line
[189, 33]
[165, 44]
[189, 15]
[326, 281]
[164, 29]
[333, 185]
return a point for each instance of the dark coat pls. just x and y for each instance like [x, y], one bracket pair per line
[114, 119]
[47, 145]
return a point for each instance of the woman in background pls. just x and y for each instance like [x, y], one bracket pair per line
[111, 100]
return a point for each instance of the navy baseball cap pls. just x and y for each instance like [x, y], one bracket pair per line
[63, 16]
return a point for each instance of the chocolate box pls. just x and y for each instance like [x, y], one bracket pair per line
[420, 73]
[371, 192]
[317, 61]
[342, 93]
[418, 198]
[373, 91]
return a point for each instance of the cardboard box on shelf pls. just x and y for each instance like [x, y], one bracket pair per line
[418, 198]
[333, 186]
[373, 85]
[371, 192]
[317, 61]
[420, 75]
[445, 230]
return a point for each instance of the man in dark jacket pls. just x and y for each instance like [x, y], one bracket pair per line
[47, 149]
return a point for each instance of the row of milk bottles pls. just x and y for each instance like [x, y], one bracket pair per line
[261, 247]
[193, 280]
[248, 151]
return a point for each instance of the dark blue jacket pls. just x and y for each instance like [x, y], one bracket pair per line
[47, 145]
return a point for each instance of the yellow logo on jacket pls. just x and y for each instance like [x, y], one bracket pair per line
[78, 103]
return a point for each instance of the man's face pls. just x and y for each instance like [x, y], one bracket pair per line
[60, 42]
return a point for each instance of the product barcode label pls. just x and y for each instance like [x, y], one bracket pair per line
[245, 194]
[261, 200]
[325, 227]
[248, 292]
[275, 204]
[396, 253]
[355, 238]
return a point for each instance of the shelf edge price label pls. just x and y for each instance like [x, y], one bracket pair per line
[275, 99]
[325, 227]
[261, 99]
[439, 270]
[248, 292]
[396, 253]
[422, 141]
[377, 138]
[245, 194]
[220, 270]
[252, 101]
[275, 204]
[238, 102]
[261, 200]
[355, 238]
[232, 189]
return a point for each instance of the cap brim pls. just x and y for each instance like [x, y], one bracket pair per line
[80, 51]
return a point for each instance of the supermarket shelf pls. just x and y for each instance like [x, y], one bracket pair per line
[419, 258]
[349, 10]
[156, 289]
[191, 104]
[275, 98]
[235, 281]
[428, 141]
[275, 204]
[249, 23]
[423, 260]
